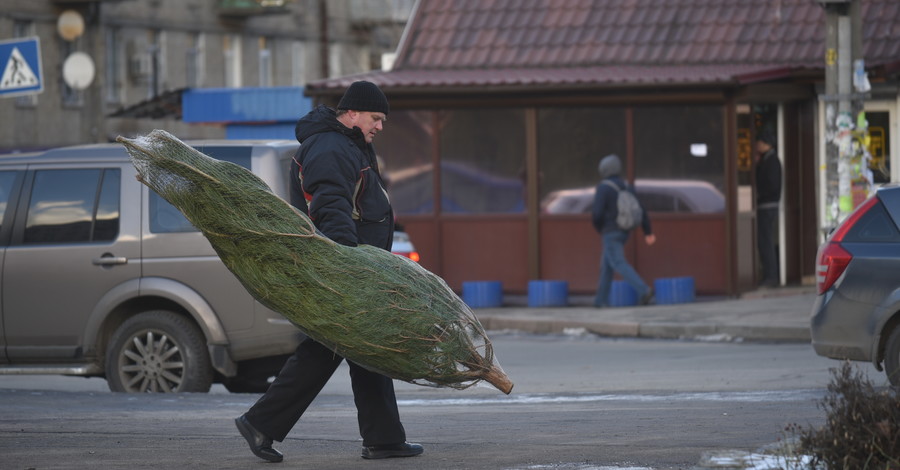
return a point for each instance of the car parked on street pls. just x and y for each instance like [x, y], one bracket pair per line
[656, 195]
[100, 276]
[403, 246]
[856, 314]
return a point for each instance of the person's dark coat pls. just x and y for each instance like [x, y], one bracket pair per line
[335, 180]
[768, 180]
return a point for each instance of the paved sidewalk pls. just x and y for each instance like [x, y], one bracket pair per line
[766, 315]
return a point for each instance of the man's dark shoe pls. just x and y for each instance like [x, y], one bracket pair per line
[394, 450]
[260, 445]
[648, 298]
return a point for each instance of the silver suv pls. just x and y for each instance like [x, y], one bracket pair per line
[99, 276]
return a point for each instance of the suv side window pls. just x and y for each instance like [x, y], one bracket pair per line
[73, 206]
[166, 218]
[7, 181]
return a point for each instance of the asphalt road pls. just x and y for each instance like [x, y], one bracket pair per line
[579, 403]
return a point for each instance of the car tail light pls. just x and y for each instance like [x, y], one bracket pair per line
[832, 257]
[413, 255]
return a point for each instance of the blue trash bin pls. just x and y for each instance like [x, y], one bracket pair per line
[548, 293]
[483, 294]
[674, 290]
[622, 294]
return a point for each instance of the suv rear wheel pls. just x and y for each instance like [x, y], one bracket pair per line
[892, 357]
[158, 351]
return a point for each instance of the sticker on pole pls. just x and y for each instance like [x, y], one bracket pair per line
[20, 60]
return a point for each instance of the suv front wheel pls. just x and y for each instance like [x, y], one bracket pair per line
[892, 357]
[158, 351]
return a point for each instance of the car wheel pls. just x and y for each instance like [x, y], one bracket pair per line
[158, 351]
[892, 357]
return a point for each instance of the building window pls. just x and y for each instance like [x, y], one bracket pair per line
[404, 150]
[157, 52]
[880, 145]
[679, 156]
[335, 60]
[298, 63]
[24, 29]
[195, 66]
[115, 71]
[482, 154]
[231, 47]
[265, 63]
[571, 142]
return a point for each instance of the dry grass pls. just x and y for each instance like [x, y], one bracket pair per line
[862, 427]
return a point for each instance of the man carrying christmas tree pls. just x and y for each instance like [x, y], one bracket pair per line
[335, 179]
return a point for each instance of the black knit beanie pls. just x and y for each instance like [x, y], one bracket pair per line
[767, 136]
[364, 96]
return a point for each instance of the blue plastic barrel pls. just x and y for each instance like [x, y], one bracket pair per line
[622, 294]
[674, 290]
[483, 294]
[548, 293]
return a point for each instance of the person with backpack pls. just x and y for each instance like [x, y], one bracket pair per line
[615, 213]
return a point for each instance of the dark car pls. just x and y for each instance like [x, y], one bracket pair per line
[856, 315]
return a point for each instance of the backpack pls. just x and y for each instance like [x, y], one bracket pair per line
[630, 211]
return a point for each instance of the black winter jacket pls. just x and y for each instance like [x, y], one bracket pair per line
[768, 180]
[335, 179]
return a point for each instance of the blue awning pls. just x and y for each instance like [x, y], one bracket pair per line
[275, 130]
[245, 105]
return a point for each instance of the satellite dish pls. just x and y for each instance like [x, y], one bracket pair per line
[78, 70]
[70, 25]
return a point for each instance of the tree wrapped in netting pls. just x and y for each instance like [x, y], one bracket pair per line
[379, 310]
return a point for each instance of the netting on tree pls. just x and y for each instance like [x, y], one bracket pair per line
[379, 310]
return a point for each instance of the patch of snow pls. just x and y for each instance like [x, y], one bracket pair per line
[737, 459]
[575, 331]
[717, 338]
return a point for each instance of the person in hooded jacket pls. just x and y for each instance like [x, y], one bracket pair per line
[335, 179]
[603, 216]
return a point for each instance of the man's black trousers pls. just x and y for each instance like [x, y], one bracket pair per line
[303, 377]
[767, 224]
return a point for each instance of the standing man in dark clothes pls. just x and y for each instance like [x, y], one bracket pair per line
[603, 216]
[335, 179]
[768, 197]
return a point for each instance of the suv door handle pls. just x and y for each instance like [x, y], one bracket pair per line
[109, 260]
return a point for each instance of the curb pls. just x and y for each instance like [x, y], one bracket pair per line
[648, 330]
[776, 316]
[544, 326]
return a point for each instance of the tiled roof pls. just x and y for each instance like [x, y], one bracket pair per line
[572, 77]
[633, 42]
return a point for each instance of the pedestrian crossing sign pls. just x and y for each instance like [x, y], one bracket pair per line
[20, 67]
